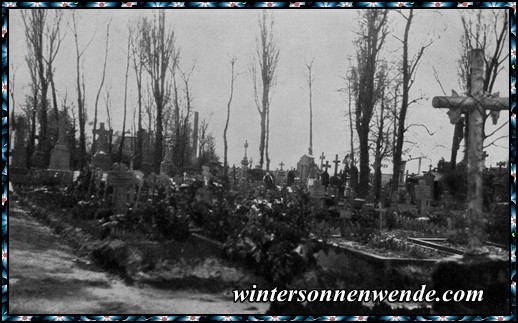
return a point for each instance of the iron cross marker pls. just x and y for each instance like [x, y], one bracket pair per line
[326, 165]
[474, 106]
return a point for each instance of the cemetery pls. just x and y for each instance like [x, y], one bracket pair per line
[159, 207]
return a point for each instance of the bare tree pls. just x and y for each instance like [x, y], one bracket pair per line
[94, 130]
[368, 82]
[409, 68]
[107, 102]
[12, 86]
[80, 85]
[31, 107]
[138, 58]
[158, 44]
[263, 72]
[121, 146]
[350, 92]
[380, 145]
[43, 41]
[309, 80]
[233, 77]
[184, 139]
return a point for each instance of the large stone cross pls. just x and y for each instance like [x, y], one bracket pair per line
[282, 165]
[474, 106]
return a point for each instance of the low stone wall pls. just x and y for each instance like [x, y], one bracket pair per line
[377, 271]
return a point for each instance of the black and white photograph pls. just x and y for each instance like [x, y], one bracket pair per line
[259, 161]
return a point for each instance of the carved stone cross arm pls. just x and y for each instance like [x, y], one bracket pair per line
[463, 104]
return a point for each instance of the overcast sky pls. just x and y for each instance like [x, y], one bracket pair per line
[210, 37]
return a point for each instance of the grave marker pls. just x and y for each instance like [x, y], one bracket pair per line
[60, 155]
[474, 106]
[423, 194]
[336, 162]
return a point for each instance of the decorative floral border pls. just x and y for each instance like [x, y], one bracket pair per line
[512, 116]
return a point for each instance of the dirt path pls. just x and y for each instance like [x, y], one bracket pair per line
[46, 277]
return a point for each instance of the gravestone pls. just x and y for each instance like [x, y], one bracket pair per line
[38, 159]
[101, 158]
[281, 175]
[423, 193]
[122, 181]
[336, 162]
[305, 167]
[18, 146]
[316, 190]
[167, 165]
[316, 193]
[60, 155]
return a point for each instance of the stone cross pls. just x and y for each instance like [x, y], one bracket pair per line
[281, 164]
[337, 162]
[474, 106]
[322, 157]
[326, 165]
[102, 139]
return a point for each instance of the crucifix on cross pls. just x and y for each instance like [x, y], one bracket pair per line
[474, 106]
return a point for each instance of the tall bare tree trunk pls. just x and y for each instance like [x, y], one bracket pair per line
[94, 130]
[351, 127]
[264, 78]
[368, 83]
[309, 79]
[378, 156]
[225, 142]
[409, 69]
[121, 147]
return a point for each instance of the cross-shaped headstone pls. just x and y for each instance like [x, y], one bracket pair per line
[322, 157]
[102, 139]
[326, 165]
[281, 164]
[474, 106]
[337, 162]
